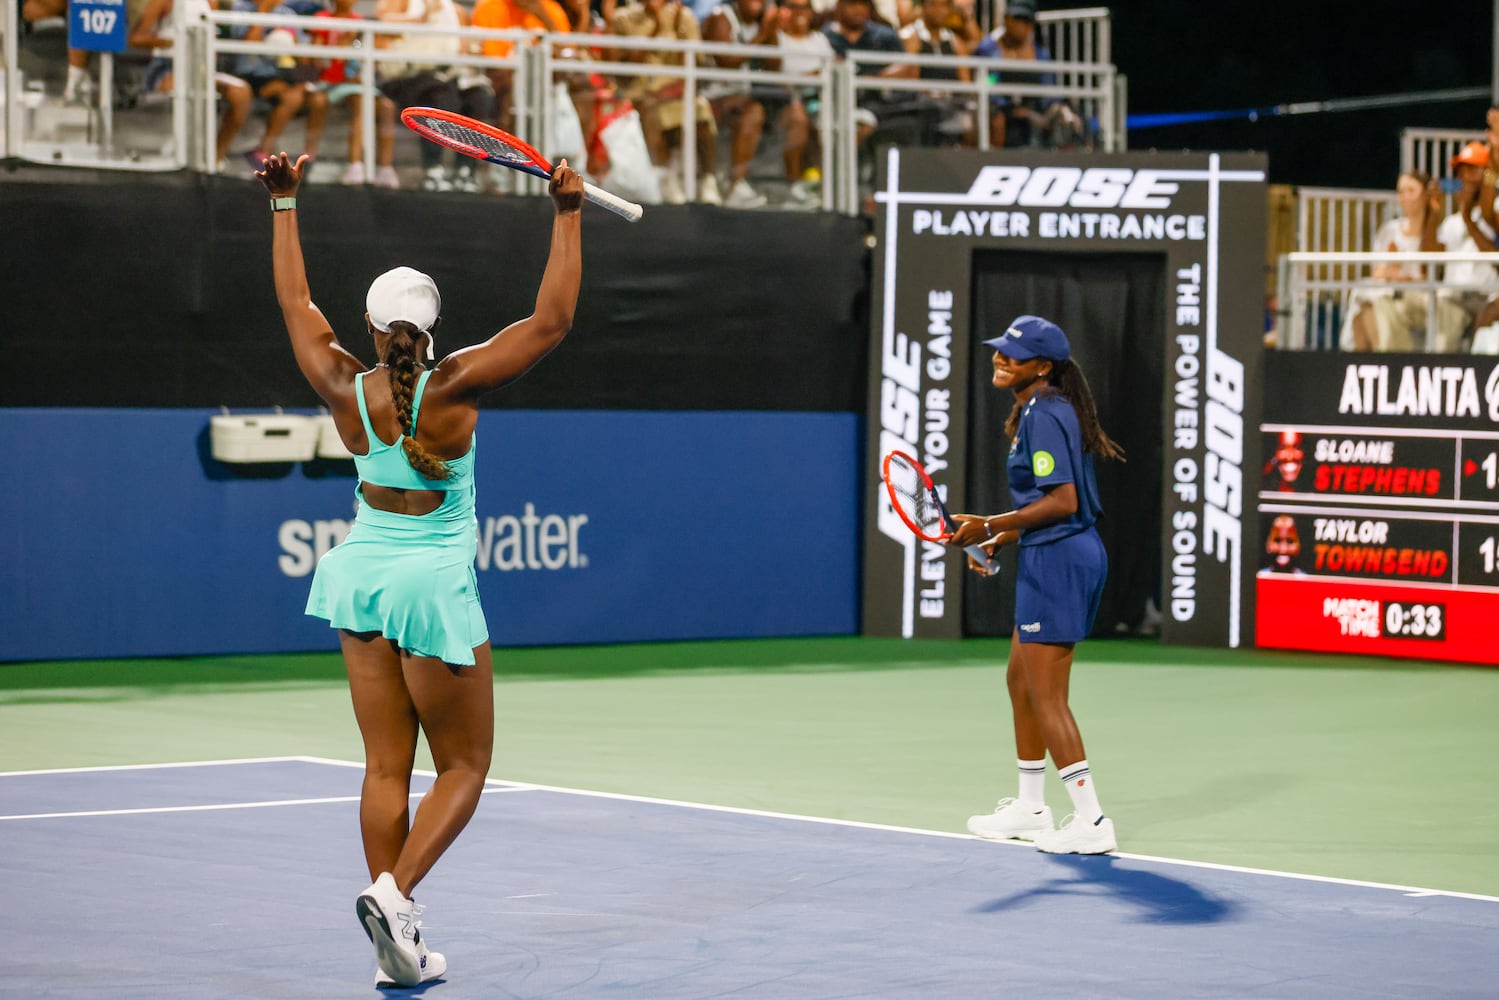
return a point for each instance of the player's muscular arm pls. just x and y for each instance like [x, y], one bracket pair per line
[511, 352]
[327, 366]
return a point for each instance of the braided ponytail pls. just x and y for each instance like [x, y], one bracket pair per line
[402, 367]
[1067, 380]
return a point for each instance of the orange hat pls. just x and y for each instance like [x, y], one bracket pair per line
[1476, 153]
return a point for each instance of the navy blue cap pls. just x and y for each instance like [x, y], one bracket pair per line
[1032, 337]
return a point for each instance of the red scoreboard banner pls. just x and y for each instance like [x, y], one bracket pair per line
[1379, 506]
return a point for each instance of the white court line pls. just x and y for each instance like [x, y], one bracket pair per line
[152, 767]
[517, 786]
[523, 786]
[145, 810]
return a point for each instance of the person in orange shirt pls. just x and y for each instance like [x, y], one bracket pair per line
[537, 15]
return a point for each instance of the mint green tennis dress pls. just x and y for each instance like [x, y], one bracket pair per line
[408, 577]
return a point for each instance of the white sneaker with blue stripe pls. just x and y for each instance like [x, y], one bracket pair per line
[390, 920]
[1076, 836]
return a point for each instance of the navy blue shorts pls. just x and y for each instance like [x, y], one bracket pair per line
[1058, 588]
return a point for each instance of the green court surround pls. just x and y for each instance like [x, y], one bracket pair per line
[1336, 766]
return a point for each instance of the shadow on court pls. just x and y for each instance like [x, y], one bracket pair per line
[1156, 898]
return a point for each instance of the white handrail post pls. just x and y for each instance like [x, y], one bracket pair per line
[848, 169]
[10, 20]
[369, 97]
[689, 126]
[106, 97]
[205, 94]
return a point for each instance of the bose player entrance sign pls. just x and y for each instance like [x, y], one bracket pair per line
[1202, 216]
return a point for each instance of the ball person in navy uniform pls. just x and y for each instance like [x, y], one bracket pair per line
[1054, 436]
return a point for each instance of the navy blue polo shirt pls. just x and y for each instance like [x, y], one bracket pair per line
[1047, 452]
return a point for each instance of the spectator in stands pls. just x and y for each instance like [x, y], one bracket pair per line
[739, 108]
[1027, 121]
[854, 30]
[79, 87]
[803, 51]
[476, 98]
[659, 99]
[1387, 319]
[932, 34]
[428, 79]
[154, 30]
[1465, 231]
[281, 80]
[589, 91]
[533, 15]
[338, 81]
[1491, 172]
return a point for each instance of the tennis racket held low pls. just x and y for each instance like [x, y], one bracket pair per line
[917, 502]
[984, 559]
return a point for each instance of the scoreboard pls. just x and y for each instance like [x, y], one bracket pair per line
[1379, 506]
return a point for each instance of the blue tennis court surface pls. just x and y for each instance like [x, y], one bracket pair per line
[237, 879]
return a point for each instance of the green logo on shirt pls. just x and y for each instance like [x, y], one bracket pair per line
[1042, 463]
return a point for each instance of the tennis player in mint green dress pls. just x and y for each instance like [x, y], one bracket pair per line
[401, 588]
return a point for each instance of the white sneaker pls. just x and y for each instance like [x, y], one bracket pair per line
[671, 187]
[804, 194]
[84, 92]
[1011, 820]
[741, 195]
[707, 190]
[390, 920]
[1074, 837]
[386, 177]
[353, 173]
[436, 180]
[466, 181]
[434, 967]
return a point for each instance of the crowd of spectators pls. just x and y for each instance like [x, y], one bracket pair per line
[274, 89]
[1452, 307]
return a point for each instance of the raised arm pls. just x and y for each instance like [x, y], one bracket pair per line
[327, 366]
[510, 353]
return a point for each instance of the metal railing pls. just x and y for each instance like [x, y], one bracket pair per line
[1080, 39]
[552, 65]
[1317, 291]
[1092, 91]
[1430, 150]
[367, 53]
[1343, 220]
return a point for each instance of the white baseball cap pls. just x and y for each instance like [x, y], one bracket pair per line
[403, 293]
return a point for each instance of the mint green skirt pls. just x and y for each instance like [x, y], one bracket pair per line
[410, 578]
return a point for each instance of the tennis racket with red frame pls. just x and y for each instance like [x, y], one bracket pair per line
[917, 502]
[483, 141]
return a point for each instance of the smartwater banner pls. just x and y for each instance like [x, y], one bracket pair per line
[121, 536]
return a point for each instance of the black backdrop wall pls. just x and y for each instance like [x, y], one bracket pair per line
[155, 290]
[1110, 305]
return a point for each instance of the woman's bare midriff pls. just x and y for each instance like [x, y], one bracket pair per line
[398, 501]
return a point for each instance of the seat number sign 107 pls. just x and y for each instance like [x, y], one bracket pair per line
[96, 25]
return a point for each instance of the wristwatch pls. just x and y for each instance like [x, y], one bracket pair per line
[283, 204]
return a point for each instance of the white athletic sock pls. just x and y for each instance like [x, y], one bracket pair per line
[76, 76]
[1032, 782]
[1079, 782]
